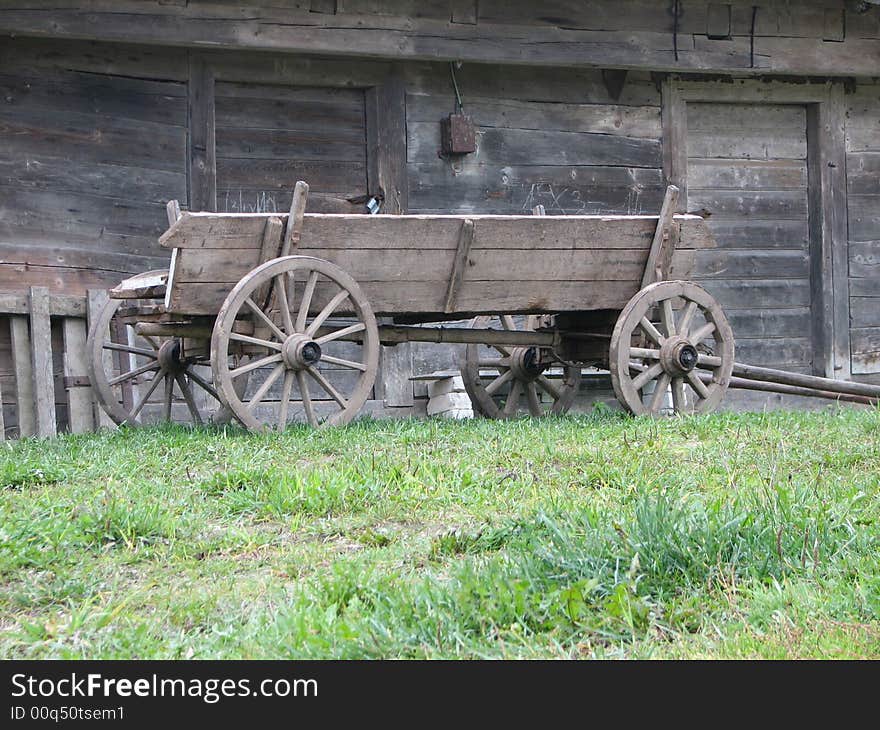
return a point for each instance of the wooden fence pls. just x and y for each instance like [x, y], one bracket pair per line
[45, 367]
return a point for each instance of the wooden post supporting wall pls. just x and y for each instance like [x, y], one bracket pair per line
[202, 173]
[41, 360]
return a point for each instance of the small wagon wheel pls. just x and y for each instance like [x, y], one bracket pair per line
[127, 371]
[298, 343]
[646, 357]
[512, 380]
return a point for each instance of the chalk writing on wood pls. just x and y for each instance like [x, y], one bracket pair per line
[248, 201]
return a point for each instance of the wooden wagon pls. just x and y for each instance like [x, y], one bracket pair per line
[257, 310]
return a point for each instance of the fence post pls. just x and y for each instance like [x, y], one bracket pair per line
[80, 413]
[41, 360]
[24, 378]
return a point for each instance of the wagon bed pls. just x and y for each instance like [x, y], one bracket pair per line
[406, 264]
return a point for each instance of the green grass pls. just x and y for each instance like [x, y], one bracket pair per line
[603, 536]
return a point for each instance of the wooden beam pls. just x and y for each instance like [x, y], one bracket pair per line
[24, 378]
[201, 139]
[386, 143]
[295, 218]
[673, 116]
[663, 244]
[80, 414]
[41, 361]
[607, 42]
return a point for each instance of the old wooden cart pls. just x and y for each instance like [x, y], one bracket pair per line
[258, 311]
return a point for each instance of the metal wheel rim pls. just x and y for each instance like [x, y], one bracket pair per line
[629, 377]
[224, 342]
[528, 393]
[185, 381]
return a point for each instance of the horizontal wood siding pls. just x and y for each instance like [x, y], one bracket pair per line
[268, 137]
[747, 170]
[863, 199]
[88, 158]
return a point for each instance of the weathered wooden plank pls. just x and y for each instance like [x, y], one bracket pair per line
[80, 414]
[24, 378]
[865, 311]
[865, 350]
[764, 204]
[734, 293]
[864, 217]
[765, 323]
[297, 30]
[427, 298]
[412, 264]
[232, 230]
[459, 262]
[752, 175]
[59, 256]
[562, 190]
[280, 175]
[395, 368]
[617, 119]
[325, 112]
[775, 351]
[539, 147]
[59, 304]
[202, 148]
[41, 361]
[751, 264]
[761, 234]
[864, 259]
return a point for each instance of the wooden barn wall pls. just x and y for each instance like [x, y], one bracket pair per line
[863, 199]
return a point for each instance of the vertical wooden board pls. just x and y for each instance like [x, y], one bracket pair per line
[96, 300]
[81, 417]
[202, 148]
[387, 143]
[41, 360]
[2, 420]
[395, 369]
[24, 379]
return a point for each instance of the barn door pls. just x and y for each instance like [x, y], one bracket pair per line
[747, 170]
[270, 136]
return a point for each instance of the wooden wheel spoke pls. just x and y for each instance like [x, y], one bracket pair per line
[168, 400]
[647, 375]
[188, 397]
[534, 402]
[497, 362]
[698, 385]
[350, 364]
[134, 373]
[687, 317]
[350, 330]
[649, 329]
[306, 398]
[308, 293]
[326, 312]
[285, 400]
[268, 344]
[264, 388]
[702, 333]
[131, 349]
[659, 393]
[254, 365]
[667, 316]
[678, 399]
[203, 384]
[266, 319]
[496, 384]
[142, 401]
[513, 398]
[283, 302]
[325, 384]
[544, 382]
[644, 353]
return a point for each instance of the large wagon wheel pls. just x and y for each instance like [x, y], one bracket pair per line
[646, 357]
[291, 347]
[512, 380]
[126, 371]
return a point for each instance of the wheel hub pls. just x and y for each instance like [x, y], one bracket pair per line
[169, 356]
[678, 356]
[300, 351]
[526, 363]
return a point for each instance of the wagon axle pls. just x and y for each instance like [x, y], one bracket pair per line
[300, 351]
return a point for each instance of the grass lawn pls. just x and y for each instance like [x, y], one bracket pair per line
[602, 536]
